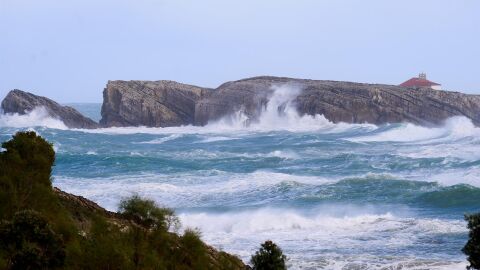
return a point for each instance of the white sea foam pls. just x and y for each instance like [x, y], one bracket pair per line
[184, 190]
[369, 262]
[163, 139]
[38, 117]
[470, 176]
[324, 222]
[285, 154]
[454, 128]
[319, 232]
[209, 139]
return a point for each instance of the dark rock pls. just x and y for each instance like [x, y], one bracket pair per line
[342, 101]
[167, 103]
[149, 103]
[21, 102]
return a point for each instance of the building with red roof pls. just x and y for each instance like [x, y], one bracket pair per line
[421, 82]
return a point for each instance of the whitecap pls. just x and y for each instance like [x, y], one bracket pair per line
[454, 128]
[36, 118]
[163, 139]
[311, 237]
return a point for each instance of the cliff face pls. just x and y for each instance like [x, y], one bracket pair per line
[379, 104]
[21, 102]
[153, 104]
[166, 103]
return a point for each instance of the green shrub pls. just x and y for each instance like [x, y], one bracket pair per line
[26, 179]
[472, 248]
[147, 213]
[194, 249]
[269, 257]
[105, 247]
[29, 243]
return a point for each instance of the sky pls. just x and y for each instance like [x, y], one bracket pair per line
[68, 50]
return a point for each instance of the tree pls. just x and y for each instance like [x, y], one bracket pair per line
[30, 243]
[269, 257]
[472, 248]
[26, 177]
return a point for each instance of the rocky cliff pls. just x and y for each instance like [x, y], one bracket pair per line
[166, 103]
[21, 102]
[149, 103]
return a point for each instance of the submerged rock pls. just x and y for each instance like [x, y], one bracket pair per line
[21, 102]
[167, 103]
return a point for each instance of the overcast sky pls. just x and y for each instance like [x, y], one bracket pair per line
[68, 50]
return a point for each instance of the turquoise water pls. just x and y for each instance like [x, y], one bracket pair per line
[333, 196]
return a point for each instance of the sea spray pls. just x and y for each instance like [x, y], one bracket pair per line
[38, 117]
[457, 127]
[280, 113]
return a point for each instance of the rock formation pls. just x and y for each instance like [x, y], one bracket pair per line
[153, 104]
[21, 102]
[167, 103]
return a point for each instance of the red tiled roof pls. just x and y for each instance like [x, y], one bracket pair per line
[418, 82]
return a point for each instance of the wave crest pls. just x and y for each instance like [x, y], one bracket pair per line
[454, 128]
[38, 117]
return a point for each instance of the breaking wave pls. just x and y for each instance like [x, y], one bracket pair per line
[38, 117]
[454, 128]
[353, 222]
[324, 237]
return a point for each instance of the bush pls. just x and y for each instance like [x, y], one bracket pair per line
[30, 243]
[146, 213]
[269, 257]
[194, 249]
[105, 247]
[26, 179]
[472, 248]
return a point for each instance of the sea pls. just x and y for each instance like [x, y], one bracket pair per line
[331, 195]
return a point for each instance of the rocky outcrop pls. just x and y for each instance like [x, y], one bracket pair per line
[166, 103]
[379, 104]
[149, 103]
[21, 102]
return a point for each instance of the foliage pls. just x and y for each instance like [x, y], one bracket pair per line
[30, 243]
[269, 257]
[196, 254]
[146, 213]
[472, 248]
[105, 248]
[25, 178]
